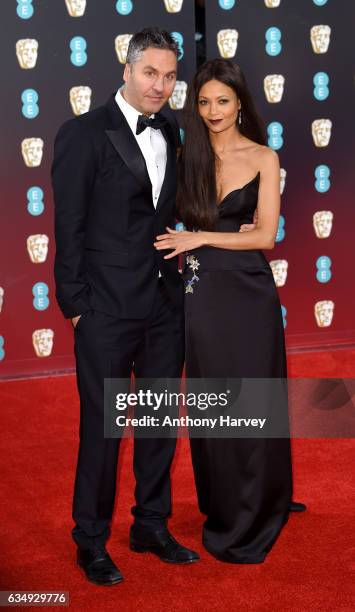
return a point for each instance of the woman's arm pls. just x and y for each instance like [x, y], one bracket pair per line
[264, 234]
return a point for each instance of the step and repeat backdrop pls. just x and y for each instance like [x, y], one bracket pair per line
[62, 57]
[296, 56]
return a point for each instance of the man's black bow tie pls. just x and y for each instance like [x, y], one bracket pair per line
[143, 122]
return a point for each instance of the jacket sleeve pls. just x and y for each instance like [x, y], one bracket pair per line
[73, 175]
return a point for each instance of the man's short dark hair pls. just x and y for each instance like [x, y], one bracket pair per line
[150, 37]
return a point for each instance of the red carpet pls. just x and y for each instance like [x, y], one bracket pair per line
[310, 568]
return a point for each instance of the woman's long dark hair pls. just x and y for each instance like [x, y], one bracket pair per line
[196, 195]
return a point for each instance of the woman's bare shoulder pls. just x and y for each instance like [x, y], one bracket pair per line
[265, 152]
[262, 152]
[266, 158]
[262, 158]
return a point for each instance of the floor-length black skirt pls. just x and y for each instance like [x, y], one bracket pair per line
[234, 329]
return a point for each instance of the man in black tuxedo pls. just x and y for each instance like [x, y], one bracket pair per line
[114, 183]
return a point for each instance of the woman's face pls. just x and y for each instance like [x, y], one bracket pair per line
[218, 106]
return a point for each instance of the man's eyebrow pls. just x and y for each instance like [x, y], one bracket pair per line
[155, 70]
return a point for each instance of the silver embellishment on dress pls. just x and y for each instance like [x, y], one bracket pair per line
[194, 264]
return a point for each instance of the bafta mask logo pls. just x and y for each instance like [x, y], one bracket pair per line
[32, 151]
[121, 46]
[274, 87]
[320, 38]
[321, 132]
[37, 247]
[323, 223]
[80, 99]
[173, 6]
[178, 97]
[279, 269]
[1, 298]
[42, 340]
[283, 175]
[323, 312]
[76, 8]
[227, 41]
[272, 3]
[27, 52]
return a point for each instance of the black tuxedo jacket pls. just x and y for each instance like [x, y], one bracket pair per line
[105, 221]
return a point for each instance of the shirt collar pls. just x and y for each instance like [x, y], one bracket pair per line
[131, 114]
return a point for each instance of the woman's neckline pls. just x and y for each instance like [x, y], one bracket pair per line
[238, 189]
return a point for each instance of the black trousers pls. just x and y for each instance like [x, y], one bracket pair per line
[106, 347]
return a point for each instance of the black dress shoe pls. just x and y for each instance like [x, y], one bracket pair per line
[162, 544]
[99, 567]
[297, 507]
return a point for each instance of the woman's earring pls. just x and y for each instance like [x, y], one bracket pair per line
[240, 117]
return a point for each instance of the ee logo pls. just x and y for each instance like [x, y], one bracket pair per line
[284, 313]
[35, 204]
[275, 140]
[24, 9]
[324, 273]
[180, 41]
[281, 229]
[226, 4]
[322, 183]
[40, 292]
[124, 7]
[273, 45]
[78, 55]
[30, 107]
[321, 89]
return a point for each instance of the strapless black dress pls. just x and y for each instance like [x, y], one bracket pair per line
[234, 329]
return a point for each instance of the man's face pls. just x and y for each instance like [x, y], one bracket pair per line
[150, 81]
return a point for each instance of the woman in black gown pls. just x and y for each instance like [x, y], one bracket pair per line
[233, 315]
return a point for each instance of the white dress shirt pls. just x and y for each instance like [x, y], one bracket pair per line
[152, 144]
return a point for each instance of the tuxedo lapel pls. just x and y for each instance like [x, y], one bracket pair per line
[126, 145]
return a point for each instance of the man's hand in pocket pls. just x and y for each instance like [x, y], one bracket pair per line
[75, 321]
